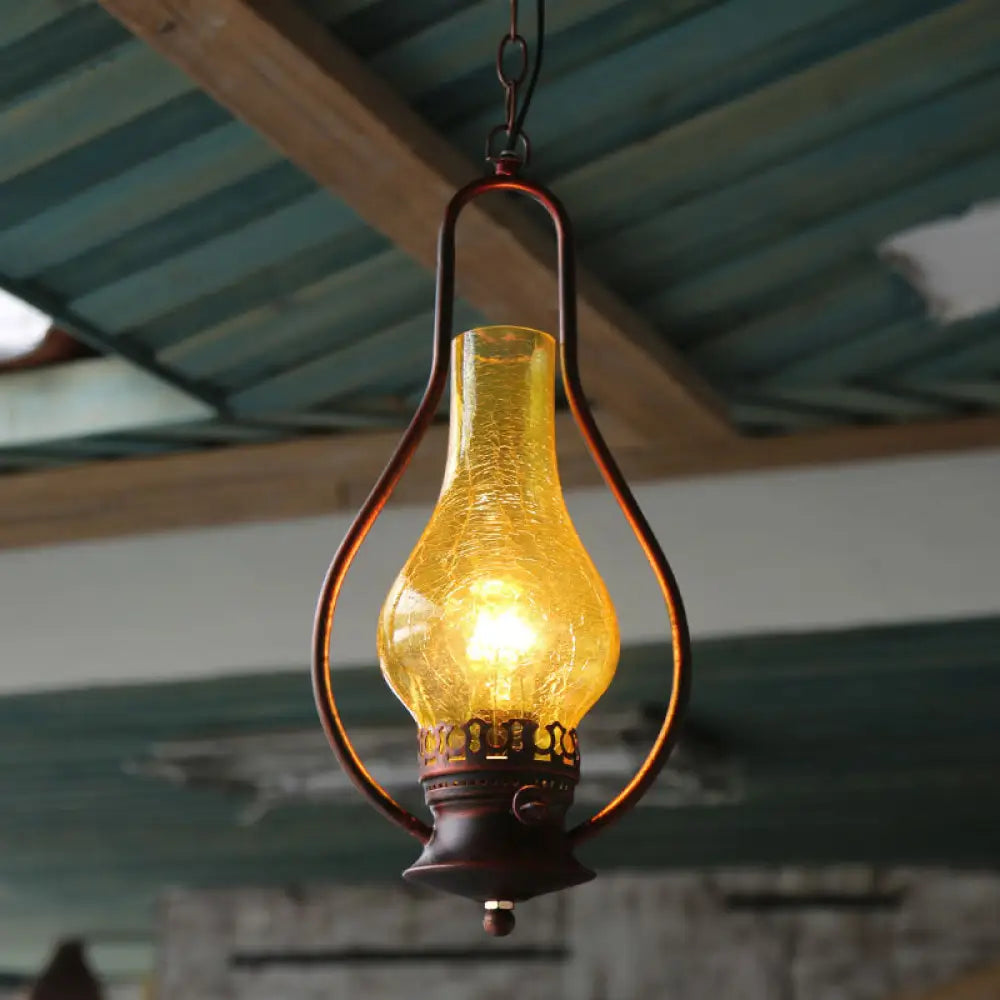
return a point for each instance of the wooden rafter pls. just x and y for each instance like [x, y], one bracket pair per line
[320, 475]
[273, 65]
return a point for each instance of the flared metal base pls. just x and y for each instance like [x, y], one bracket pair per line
[499, 793]
[498, 836]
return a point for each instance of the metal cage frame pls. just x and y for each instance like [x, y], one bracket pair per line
[421, 421]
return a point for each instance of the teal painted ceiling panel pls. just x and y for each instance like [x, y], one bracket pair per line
[732, 167]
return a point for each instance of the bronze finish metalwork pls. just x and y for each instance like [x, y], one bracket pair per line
[499, 794]
[517, 145]
[499, 833]
[474, 823]
[478, 741]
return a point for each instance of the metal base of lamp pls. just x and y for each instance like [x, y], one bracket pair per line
[499, 805]
[488, 845]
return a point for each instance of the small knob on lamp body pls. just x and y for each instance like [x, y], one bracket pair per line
[530, 805]
[498, 920]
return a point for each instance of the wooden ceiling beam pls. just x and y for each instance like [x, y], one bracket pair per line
[276, 67]
[321, 475]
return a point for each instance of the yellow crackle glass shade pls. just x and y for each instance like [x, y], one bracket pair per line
[499, 612]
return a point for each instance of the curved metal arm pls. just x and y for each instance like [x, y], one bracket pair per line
[616, 482]
[322, 685]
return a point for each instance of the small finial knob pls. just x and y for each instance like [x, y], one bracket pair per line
[498, 919]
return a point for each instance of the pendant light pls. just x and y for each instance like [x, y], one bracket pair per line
[498, 634]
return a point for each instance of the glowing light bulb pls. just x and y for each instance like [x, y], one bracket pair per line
[499, 639]
[499, 612]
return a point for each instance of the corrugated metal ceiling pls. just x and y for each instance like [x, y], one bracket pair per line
[731, 167]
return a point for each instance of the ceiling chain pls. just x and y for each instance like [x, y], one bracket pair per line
[513, 150]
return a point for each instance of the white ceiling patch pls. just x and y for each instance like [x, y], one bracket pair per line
[953, 263]
[22, 326]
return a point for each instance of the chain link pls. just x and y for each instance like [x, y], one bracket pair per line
[515, 150]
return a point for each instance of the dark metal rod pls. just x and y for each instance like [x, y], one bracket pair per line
[322, 683]
[395, 956]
